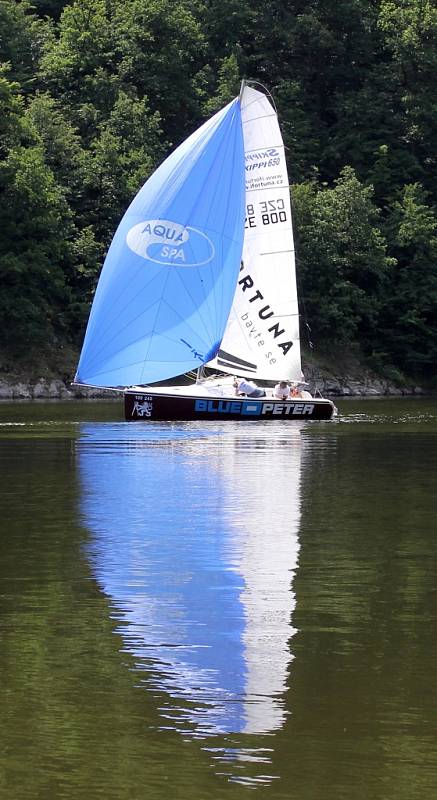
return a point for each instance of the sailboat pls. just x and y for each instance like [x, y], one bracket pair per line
[201, 274]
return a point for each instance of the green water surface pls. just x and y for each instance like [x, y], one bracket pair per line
[204, 610]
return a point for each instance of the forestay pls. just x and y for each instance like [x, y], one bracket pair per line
[262, 336]
[167, 284]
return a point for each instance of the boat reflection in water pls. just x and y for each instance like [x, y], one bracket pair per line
[194, 538]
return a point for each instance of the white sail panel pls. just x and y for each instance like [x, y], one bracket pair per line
[262, 335]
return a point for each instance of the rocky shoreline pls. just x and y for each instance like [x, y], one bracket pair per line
[326, 385]
[49, 389]
[355, 382]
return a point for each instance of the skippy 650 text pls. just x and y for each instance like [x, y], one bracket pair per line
[250, 408]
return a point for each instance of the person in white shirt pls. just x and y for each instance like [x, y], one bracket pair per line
[246, 387]
[299, 391]
[282, 390]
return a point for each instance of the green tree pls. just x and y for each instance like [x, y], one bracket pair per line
[342, 260]
[229, 83]
[409, 314]
[50, 8]
[23, 37]
[34, 220]
[149, 49]
[63, 151]
[123, 155]
[80, 68]
[71, 166]
[410, 31]
[164, 54]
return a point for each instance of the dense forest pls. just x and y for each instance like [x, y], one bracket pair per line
[95, 93]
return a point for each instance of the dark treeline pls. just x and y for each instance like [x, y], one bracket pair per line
[95, 93]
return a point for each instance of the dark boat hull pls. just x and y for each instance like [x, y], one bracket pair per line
[151, 406]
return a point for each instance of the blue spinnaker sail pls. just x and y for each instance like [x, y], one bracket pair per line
[168, 281]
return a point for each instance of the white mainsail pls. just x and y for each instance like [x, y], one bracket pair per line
[262, 334]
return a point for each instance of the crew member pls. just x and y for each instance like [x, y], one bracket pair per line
[248, 388]
[282, 390]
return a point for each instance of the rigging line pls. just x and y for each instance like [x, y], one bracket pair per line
[266, 147]
[283, 316]
[262, 116]
[277, 252]
[268, 188]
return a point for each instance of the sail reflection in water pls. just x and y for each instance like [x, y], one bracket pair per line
[194, 538]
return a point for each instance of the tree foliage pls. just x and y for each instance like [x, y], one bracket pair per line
[409, 318]
[343, 259]
[94, 93]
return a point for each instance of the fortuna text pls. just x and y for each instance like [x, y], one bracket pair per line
[264, 313]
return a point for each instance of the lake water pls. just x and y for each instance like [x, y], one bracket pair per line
[204, 610]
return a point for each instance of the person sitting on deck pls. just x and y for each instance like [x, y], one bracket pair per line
[297, 390]
[246, 387]
[282, 390]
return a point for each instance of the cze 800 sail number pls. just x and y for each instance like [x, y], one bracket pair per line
[269, 211]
